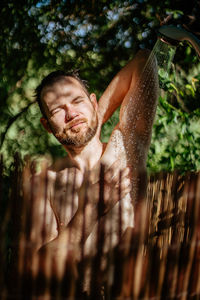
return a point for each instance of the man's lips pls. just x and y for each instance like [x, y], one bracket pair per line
[74, 123]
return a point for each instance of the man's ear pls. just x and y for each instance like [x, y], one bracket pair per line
[93, 99]
[45, 124]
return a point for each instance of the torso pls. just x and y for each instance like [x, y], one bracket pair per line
[64, 184]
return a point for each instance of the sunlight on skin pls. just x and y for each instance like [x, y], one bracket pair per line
[124, 166]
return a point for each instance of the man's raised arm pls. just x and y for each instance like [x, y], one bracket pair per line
[124, 81]
[135, 88]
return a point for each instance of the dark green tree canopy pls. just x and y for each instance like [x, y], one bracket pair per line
[97, 38]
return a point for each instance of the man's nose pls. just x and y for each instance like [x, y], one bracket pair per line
[70, 113]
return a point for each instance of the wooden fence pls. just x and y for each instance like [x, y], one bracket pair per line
[161, 263]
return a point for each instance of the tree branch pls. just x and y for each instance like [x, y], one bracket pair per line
[12, 120]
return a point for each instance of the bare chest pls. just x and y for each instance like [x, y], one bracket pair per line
[63, 194]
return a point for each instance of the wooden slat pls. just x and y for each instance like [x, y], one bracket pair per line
[164, 262]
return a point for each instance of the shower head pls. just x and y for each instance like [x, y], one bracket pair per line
[173, 35]
[166, 35]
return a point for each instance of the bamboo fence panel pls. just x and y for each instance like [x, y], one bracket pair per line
[162, 262]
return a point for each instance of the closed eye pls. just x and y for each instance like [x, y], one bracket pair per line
[78, 100]
[56, 110]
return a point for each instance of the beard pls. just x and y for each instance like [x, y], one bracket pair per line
[78, 137]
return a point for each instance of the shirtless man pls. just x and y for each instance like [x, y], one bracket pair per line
[75, 118]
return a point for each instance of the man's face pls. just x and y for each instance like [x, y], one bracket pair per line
[70, 112]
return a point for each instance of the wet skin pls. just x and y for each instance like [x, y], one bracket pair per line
[69, 114]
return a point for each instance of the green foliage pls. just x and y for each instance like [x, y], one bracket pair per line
[98, 38]
[175, 139]
[176, 133]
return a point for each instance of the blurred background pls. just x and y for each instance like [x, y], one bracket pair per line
[98, 38]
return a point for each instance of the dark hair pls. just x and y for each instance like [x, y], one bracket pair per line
[52, 78]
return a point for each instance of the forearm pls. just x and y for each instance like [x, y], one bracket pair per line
[62, 254]
[120, 85]
[72, 238]
[81, 225]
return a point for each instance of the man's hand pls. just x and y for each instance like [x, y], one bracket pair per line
[104, 187]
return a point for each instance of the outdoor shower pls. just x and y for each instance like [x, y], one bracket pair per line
[173, 35]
